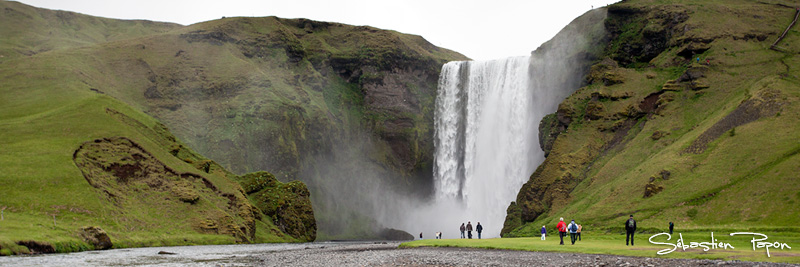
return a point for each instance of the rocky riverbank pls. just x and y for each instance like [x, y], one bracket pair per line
[342, 254]
[387, 254]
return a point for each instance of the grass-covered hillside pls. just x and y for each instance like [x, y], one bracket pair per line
[708, 144]
[80, 169]
[345, 109]
[324, 103]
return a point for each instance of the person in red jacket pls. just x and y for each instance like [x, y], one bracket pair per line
[562, 230]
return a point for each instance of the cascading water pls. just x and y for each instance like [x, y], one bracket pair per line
[486, 123]
[486, 130]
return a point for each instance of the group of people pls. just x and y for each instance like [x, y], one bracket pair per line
[464, 228]
[573, 228]
[468, 228]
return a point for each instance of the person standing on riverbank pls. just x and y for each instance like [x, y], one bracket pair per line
[469, 229]
[580, 227]
[544, 232]
[562, 230]
[479, 228]
[573, 231]
[630, 229]
[671, 225]
[463, 228]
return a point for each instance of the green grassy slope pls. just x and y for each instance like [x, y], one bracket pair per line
[295, 97]
[27, 30]
[72, 157]
[715, 147]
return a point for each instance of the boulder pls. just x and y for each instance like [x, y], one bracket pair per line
[96, 236]
[395, 235]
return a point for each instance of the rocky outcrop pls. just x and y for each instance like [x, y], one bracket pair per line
[134, 180]
[395, 235]
[639, 33]
[96, 237]
[287, 204]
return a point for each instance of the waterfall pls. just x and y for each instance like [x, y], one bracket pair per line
[486, 122]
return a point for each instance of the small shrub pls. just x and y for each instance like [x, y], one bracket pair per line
[732, 132]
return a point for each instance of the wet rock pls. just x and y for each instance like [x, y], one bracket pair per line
[166, 253]
[395, 235]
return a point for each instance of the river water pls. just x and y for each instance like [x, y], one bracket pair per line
[218, 255]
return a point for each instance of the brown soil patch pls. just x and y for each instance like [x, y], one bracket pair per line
[37, 247]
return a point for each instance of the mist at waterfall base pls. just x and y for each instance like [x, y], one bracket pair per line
[486, 130]
[486, 119]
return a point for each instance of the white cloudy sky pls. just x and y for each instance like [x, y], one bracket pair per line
[484, 29]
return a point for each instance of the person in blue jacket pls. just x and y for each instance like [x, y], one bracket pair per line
[544, 232]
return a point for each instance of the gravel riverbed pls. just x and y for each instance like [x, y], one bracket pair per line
[387, 254]
[341, 254]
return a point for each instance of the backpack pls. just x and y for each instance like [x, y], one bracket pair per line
[631, 223]
[573, 227]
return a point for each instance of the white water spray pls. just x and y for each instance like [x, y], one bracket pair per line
[486, 131]
[486, 138]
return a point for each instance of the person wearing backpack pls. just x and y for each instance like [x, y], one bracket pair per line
[573, 231]
[562, 230]
[630, 229]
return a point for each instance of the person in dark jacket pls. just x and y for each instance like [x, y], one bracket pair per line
[630, 229]
[463, 228]
[671, 225]
[469, 230]
[479, 228]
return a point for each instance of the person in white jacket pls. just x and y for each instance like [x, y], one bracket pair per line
[573, 231]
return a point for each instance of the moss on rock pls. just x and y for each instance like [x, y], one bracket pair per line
[287, 204]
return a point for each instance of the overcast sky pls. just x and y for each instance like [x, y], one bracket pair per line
[485, 29]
